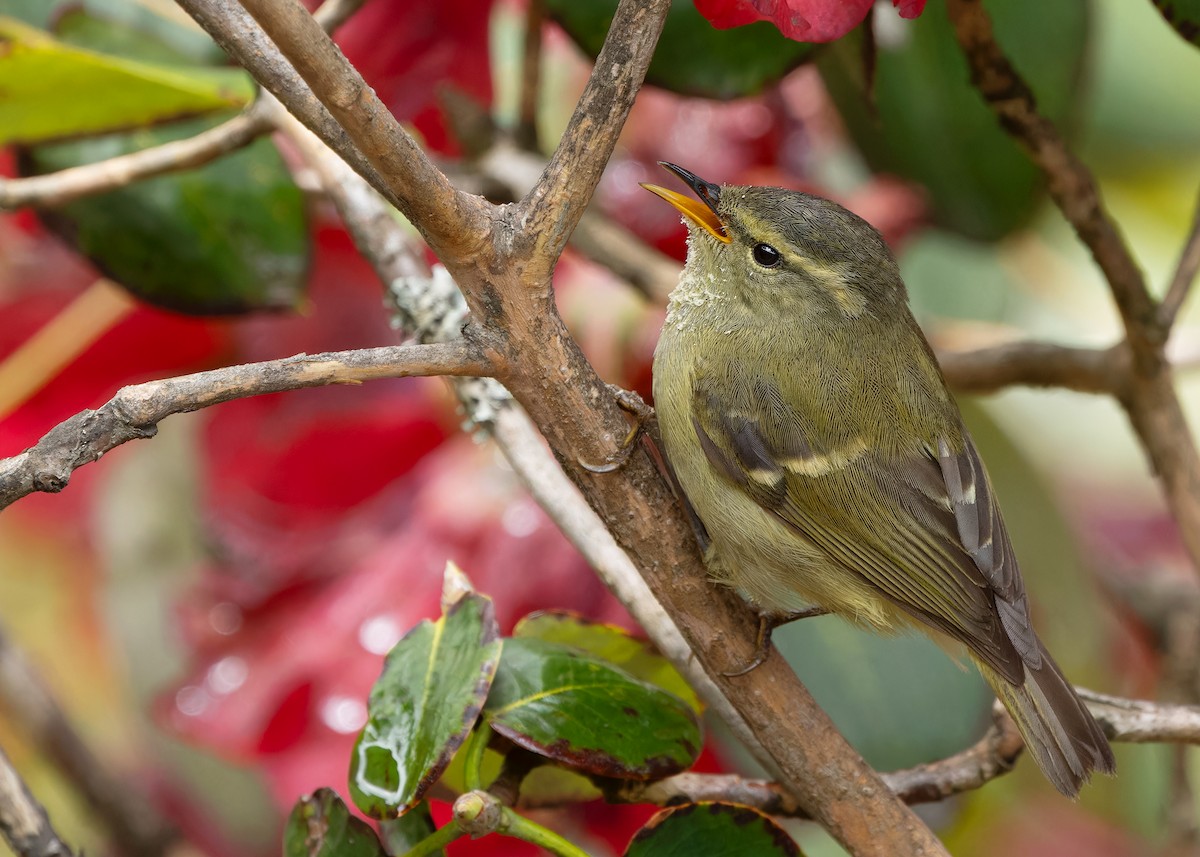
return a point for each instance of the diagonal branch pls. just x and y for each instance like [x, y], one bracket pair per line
[454, 223]
[137, 829]
[134, 412]
[550, 211]
[67, 185]
[241, 38]
[1147, 393]
[23, 821]
[1070, 182]
[1185, 273]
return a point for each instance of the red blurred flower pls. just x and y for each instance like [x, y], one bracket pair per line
[801, 20]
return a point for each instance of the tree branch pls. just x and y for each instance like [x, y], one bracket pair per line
[64, 186]
[23, 821]
[526, 134]
[137, 829]
[1070, 182]
[1148, 392]
[549, 213]
[455, 224]
[1185, 273]
[1035, 364]
[241, 38]
[134, 412]
[993, 755]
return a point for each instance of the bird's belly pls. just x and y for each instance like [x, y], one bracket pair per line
[769, 562]
[774, 566]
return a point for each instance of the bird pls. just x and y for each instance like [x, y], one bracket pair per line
[805, 418]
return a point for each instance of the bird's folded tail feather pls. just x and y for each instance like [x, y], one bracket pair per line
[1059, 731]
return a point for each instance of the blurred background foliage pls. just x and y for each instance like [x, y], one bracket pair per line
[212, 607]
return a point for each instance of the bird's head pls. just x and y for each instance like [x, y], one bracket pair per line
[785, 248]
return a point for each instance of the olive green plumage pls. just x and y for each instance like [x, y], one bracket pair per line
[809, 426]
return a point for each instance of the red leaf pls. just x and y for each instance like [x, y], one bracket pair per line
[801, 20]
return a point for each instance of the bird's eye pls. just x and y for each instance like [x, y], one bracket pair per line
[766, 255]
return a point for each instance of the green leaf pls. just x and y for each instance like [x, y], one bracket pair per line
[711, 830]
[136, 32]
[613, 644]
[547, 785]
[229, 237]
[399, 835]
[321, 826]
[54, 90]
[692, 57]
[1183, 16]
[589, 715]
[420, 711]
[931, 126]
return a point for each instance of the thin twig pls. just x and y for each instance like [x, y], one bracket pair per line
[134, 412]
[136, 827]
[1185, 273]
[1138, 721]
[1035, 364]
[23, 821]
[991, 756]
[1070, 182]
[526, 134]
[64, 186]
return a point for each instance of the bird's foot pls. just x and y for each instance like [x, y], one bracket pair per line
[768, 621]
[644, 422]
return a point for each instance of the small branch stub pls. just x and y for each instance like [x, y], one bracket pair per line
[477, 814]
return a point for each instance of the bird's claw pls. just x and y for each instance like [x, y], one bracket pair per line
[768, 621]
[643, 414]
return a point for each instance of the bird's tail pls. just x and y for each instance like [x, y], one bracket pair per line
[1059, 731]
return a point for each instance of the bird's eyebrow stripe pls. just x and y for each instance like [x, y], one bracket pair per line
[852, 302]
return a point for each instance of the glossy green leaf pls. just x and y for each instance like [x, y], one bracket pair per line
[135, 31]
[399, 835]
[930, 125]
[711, 830]
[589, 715]
[321, 826]
[420, 711]
[1183, 16]
[692, 57]
[52, 89]
[229, 237]
[613, 644]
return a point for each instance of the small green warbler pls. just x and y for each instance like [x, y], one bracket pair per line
[809, 426]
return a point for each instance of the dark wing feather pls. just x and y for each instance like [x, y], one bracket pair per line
[920, 526]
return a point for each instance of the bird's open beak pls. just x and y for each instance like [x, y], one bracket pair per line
[703, 212]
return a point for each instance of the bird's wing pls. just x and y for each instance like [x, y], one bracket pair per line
[921, 527]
